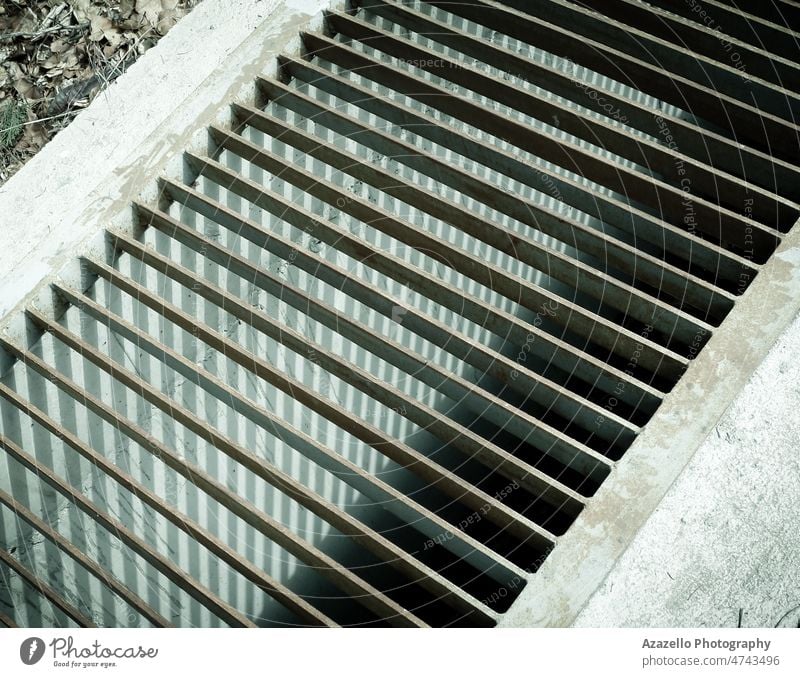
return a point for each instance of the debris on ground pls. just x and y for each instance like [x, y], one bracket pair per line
[56, 55]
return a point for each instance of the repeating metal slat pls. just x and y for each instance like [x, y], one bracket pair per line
[503, 324]
[389, 498]
[599, 330]
[707, 182]
[721, 77]
[739, 119]
[784, 13]
[381, 547]
[566, 403]
[427, 578]
[359, 590]
[502, 414]
[122, 591]
[158, 561]
[616, 339]
[458, 389]
[47, 591]
[455, 434]
[572, 360]
[444, 336]
[202, 536]
[727, 270]
[760, 168]
[774, 38]
[624, 298]
[370, 539]
[751, 60]
[667, 199]
[719, 224]
[450, 484]
[7, 621]
[686, 137]
[552, 491]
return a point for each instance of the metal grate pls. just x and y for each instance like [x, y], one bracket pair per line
[368, 360]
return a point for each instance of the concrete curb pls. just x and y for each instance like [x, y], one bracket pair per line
[84, 178]
[589, 551]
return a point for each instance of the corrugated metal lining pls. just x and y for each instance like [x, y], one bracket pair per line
[369, 361]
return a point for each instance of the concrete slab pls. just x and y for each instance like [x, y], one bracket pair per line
[590, 550]
[88, 172]
[726, 537]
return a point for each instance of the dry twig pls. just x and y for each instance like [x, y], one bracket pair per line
[38, 35]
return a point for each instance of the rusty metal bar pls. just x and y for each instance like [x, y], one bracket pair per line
[661, 54]
[699, 38]
[722, 267]
[571, 317]
[374, 542]
[515, 421]
[167, 567]
[713, 185]
[7, 621]
[613, 320]
[393, 501]
[714, 222]
[738, 119]
[437, 476]
[761, 168]
[611, 337]
[80, 558]
[504, 325]
[411, 362]
[569, 452]
[636, 185]
[785, 13]
[462, 438]
[621, 297]
[202, 536]
[48, 592]
[348, 582]
[489, 454]
[568, 404]
[774, 38]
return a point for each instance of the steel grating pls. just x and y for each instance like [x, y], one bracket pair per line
[366, 361]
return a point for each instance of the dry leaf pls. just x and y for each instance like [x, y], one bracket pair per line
[150, 9]
[81, 9]
[118, 30]
[127, 7]
[26, 89]
[98, 24]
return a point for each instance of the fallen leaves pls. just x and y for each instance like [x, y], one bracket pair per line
[55, 55]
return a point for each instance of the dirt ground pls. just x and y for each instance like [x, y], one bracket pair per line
[57, 55]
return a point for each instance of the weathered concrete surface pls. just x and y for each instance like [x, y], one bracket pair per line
[727, 535]
[589, 552]
[88, 172]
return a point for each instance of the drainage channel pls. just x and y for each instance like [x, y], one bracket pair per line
[372, 354]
